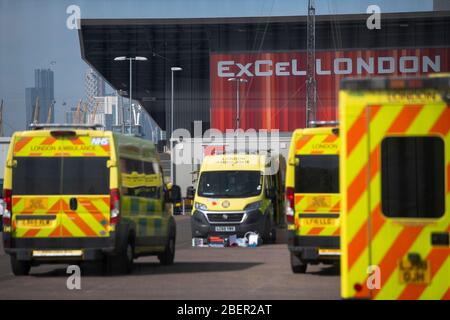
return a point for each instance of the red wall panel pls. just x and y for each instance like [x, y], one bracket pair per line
[275, 99]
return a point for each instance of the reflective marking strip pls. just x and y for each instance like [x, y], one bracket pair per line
[302, 142]
[330, 138]
[76, 141]
[447, 295]
[358, 129]
[360, 241]
[399, 248]
[442, 125]
[21, 143]
[359, 185]
[405, 118]
[436, 259]
[316, 231]
[48, 141]
[30, 233]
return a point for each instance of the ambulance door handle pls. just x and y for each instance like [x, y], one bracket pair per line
[73, 204]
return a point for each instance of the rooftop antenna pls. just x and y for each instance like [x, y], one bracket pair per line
[311, 85]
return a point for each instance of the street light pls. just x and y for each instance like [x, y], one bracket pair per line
[137, 58]
[237, 80]
[172, 69]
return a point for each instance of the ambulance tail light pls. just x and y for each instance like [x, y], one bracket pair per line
[290, 209]
[7, 213]
[114, 201]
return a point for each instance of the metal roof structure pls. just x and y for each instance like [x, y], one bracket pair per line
[187, 43]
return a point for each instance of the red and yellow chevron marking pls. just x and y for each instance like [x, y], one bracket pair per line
[317, 204]
[91, 219]
[368, 237]
[317, 144]
[48, 146]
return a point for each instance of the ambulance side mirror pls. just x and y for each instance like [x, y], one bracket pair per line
[190, 193]
[11, 163]
[294, 162]
[111, 163]
[175, 194]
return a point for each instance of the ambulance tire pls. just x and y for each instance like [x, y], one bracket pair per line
[168, 256]
[20, 268]
[122, 261]
[270, 234]
[297, 265]
[273, 235]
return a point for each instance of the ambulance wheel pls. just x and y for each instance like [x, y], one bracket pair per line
[269, 234]
[297, 265]
[168, 256]
[20, 268]
[122, 261]
[273, 235]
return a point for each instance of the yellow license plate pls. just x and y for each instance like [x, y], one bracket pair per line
[34, 223]
[414, 273]
[317, 221]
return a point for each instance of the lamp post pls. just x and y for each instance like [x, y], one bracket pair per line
[137, 58]
[172, 175]
[237, 80]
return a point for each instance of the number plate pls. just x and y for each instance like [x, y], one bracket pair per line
[225, 229]
[330, 252]
[57, 253]
[318, 221]
[415, 273]
[34, 223]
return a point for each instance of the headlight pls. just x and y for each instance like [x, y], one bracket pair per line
[253, 206]
[200, 206]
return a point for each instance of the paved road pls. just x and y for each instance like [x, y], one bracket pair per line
[198, 273]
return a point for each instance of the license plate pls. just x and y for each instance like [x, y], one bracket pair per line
[317, 221]
[57, 253]
[34, 223]
[414, 273]
[225, 229]
[329, 252]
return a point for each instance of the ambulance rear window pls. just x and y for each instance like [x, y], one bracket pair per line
[317, 174]
[412, 177]
[60, 175]
[37, 176]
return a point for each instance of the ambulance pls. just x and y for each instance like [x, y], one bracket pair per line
[395, 187]
[312, 197]
[77, 194]
[236, 194]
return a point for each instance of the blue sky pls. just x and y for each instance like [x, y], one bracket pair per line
[33, 33]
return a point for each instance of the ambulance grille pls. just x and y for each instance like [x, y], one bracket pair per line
[225, 217]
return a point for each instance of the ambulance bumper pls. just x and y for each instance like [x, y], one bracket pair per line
[91, 249]
[308, 247]
[202, 228]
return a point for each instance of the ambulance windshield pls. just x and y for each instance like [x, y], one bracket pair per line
[230, 184]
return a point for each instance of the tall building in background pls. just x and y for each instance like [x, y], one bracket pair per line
[94, 86]
[44, 90]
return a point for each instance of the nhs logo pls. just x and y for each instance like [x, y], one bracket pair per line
[99, 141]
